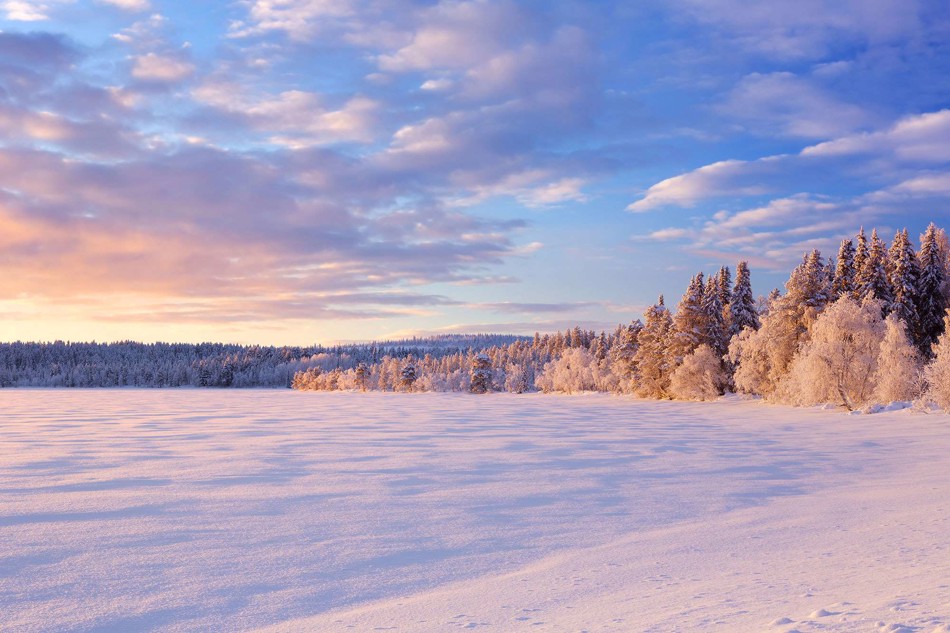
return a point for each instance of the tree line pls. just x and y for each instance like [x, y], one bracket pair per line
[869, 325]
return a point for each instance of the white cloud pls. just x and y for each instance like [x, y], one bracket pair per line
[27, 10]
[716, 179]
[787, 105]
[161, 68]
[296, 118]
[923, 138]
[299, 19]
[129, 5]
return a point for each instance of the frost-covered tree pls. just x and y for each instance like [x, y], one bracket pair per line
[861, 251]
[899, 367]
[481, 376]
[843, 283]
[714, 332]
[689, 322]
[761, 357]
[809, 285]
[622, 355]
[838, 362]
[576, 370]
[904, 277]
[699, 377]
[937, 373]
[724, 281]
[742, 310]
[931, 300]
[651, 358]
[408, 376]
[362, 373]
[871, 280]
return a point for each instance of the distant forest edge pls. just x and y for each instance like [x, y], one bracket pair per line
[867, 326]
[131, 364]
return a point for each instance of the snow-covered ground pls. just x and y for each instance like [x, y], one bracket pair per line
[197, 510]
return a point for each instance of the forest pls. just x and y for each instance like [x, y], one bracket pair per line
[865, 327]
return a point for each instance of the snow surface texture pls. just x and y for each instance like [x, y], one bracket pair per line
[186, 510]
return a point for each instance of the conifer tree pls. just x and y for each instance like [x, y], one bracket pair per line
[843, 283]
[809, 285]
[931, 301]
[651, 359]
[860, 258]
[481, 378]
[714, 330]
[689, 322]
[742, 312]
[724, 281]
[904, 278]
[871, 281]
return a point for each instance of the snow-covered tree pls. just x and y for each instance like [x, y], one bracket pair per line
[689, 322]
[871, 280]
[843, 283]
[724, 282]
[408, 376]
[861, 252]
[576, 370]
[714, 332]
[622, 355]
[809, 285]
[481, 376]
[904, 278]
[899, 367]
[651, 358]
[699, 377]
[742, 309]
[937, 373]
[931, 300]
[838, 362]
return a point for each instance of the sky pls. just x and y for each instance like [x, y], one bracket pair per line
[312, 171]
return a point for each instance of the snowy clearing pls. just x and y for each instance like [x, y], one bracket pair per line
[198, 510]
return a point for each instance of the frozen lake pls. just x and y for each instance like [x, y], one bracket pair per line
[205, 510]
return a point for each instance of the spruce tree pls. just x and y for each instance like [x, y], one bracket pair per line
[904, 277]
[689, 325]
[872, 280]
[843, 283]
[724, 280]
[714, 330]
[931, 301]
[651, 358]
[860, 258]
[742, 312]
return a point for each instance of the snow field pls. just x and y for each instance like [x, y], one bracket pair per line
[188, 510]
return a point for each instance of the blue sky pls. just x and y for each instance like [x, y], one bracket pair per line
[292, 171]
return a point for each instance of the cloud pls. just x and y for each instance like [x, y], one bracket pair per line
[727, 177]
[161, 68]
[295, 118]
[300, 20]
[27, 10]
[788, 105]
[808, 29]
[129, 5]
[920, 138]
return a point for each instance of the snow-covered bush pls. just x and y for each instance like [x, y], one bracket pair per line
[898, 375]
[937, 373]
[576, 370]
[699, 377]
[838, 362]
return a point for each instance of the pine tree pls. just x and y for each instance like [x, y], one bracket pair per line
[904, 277]
[742, 312]
[651, 359]
[860, 258]
[871, 281]
[689, 322]
[408, 375]
[931, 301]
[724, 281]
[714, 330]
[481, 374]
[809, 285]
[843, 283]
